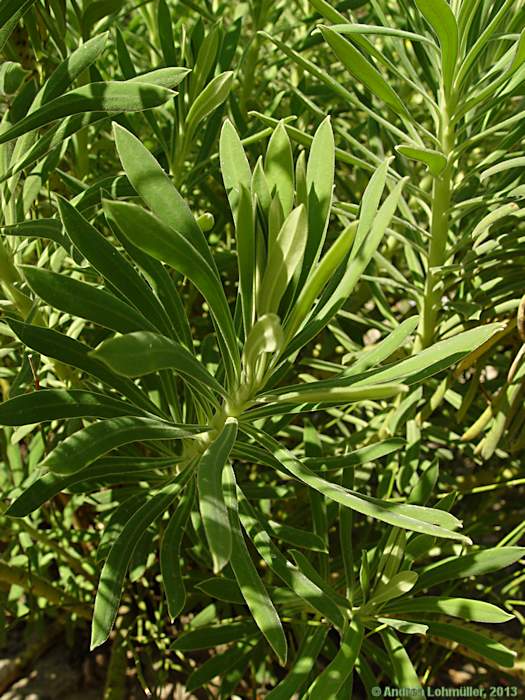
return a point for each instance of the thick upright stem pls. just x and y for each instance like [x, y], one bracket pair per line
[437, 255]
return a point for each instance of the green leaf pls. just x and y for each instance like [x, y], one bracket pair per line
[370, 201]
[318, 277]
[403, 626]
[309, 570]
[126, 96]
[363, 70]
[212, 506]
[428, 362]
[279, 168]
[266, 336]
[404, 673]
[371, 357]
[409, 517]
[137, 354]
[335, 395]
[375, 30]
[252, 588]
[97, 10]
[111, 264]
[368, 453]
[440, 17]
[70, 69]
[165, 30]
[11, 12]
[166, 244]
[502, 167]
[217, 665]
[297, 537]
[484, 646]
[284, 257]
[471, 610]
[466, 565]
[116, 522]
[112, 576]
[225, 589]
[170, 568]
[332, 678]
[86, 445]
[52, 404]
[235, 168]
[360, 256]
[297, 581]
[39, 228]
[72, 352]
[213, 95]
[435, 161]
[320, 171]
[212, 636]
[157, 190]
[398, 585]
[307, 654]
[84, 300]
[245, 235]
[49, 485]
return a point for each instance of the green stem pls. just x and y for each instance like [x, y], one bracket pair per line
[437, 255]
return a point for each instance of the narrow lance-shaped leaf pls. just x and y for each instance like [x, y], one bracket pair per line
[435, 161]
[252, 588]
[409, 517]
[440, 17]
[471, 610]
[303, 663]
[63, 76]
[235, 168]
[112, 576]
[96, 97]
[284, 257]
[378, 30]
[110, 263]
[404, 673]
[363, 70]
[318, 278]
[360, 257]
[58, 346]
[245, 237]
[101, 471]
[137, 354]
[441, 355]
[383, 350]
[279, 168]
[170, 553]
[398, 585]
[332, 678]
[298, 582]
[479, 643]
[320, 171]
[213, 95]
[336, 395]
[211, 498]
[168, 245]
[85, 446]
[52, 404]
[157, 190]
[165, 29]
[472, 564]
[85, 300]
[10, 14]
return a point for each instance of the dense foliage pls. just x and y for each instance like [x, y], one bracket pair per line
[263, 340]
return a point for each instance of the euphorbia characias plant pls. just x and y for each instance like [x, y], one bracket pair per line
[202, 428]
